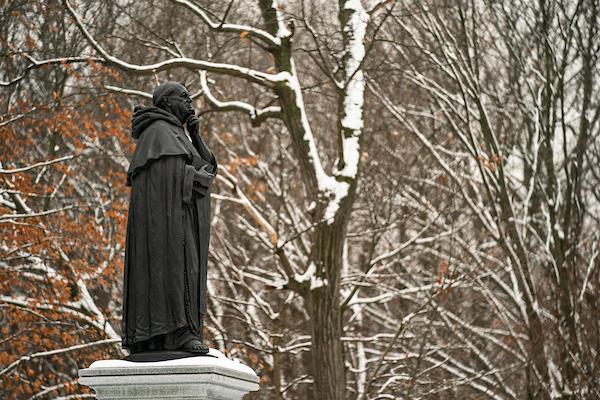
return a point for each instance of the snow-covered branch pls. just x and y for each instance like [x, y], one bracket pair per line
[221, 26]
[37, 64]
[48, 353]
[36, 165]
[257, 115]
[248, 74]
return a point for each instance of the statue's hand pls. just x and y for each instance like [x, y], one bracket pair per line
[202, 181]
[192, 124]
[203, 177]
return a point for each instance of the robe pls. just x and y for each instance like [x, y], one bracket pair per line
[168, 230]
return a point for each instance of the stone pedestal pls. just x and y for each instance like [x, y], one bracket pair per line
[206, 378]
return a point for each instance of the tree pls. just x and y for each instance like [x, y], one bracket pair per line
[516, 99]
[405, 210]
[61, 210]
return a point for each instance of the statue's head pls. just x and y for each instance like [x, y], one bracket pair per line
[173, 97]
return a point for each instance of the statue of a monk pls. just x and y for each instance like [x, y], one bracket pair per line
[168, 227]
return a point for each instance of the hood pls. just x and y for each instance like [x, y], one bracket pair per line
[144, 116]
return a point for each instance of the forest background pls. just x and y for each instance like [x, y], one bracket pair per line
[407, 204]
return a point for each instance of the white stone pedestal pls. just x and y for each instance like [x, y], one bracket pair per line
[198, 378]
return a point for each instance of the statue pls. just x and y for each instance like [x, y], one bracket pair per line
[168, 227]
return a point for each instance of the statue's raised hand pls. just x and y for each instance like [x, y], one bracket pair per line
[192, 124]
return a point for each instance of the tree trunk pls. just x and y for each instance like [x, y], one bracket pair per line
[324, 307]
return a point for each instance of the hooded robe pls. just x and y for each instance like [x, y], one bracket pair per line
[168, 229]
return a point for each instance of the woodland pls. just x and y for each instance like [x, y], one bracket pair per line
[407, 204]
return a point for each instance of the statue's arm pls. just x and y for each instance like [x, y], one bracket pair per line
[192, 186]
[202, 181]
[155, 146]
[196, 183]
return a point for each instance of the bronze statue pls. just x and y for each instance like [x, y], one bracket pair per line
[168, 227]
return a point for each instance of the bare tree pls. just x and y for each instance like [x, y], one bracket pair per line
[513, 85]
[406, 209]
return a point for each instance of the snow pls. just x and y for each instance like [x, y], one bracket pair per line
[356, 30]
[559, 231]
[352, 119]
[282, 30]
[340, 190]
[326, 184]
[351, 150]
[515, 166]
[220, 361]
[88, 303]
[353, 108]
[309, 275]
[316, 282]
[324, 181]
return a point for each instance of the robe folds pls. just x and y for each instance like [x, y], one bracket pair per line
[168, 230]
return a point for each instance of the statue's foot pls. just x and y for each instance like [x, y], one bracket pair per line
[195, 346]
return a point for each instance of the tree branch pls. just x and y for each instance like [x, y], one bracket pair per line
[248, 74]
[257, 115]
[221, 26]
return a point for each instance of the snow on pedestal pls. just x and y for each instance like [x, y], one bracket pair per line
[205, 378]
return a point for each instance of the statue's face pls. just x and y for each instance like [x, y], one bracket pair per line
[180, 103]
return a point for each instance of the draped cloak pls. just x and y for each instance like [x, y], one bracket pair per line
[168, 229]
